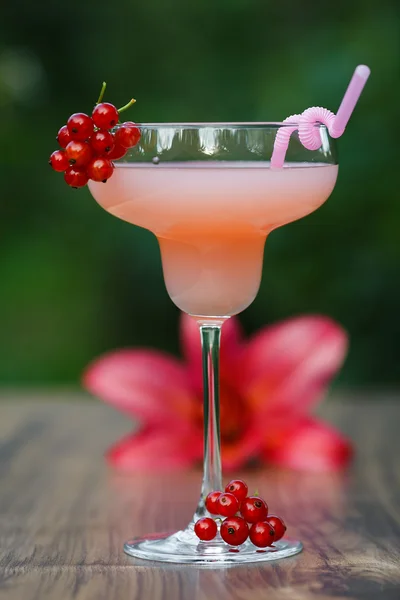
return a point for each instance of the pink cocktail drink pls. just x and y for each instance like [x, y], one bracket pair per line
[212, 219]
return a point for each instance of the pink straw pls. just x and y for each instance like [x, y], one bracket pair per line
[282, 140]
[350, 100]
[309, 135]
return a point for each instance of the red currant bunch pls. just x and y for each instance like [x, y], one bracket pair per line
[88, 145]
[245, 517]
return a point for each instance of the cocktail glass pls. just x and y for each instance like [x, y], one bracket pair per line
[208, 193]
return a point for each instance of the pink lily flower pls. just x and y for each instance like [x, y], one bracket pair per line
[269, 385]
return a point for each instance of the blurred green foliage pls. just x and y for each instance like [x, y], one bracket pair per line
[76, 282]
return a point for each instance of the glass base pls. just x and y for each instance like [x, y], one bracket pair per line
[184, 547]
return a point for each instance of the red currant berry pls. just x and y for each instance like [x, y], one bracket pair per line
[234, 531]
[212, 502]
[254, 509]
[127, 135]
[59, 161]
[262, 534]
[205, 529]
[228, 505]
[118, 152]
[105, 115]
[102, 142]
[100, 169]
[63, 137]
[79, 153]
[278, 525]
[238, 488]
[76, 177]
[80, 127]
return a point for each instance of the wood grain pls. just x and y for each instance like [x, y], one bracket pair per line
[64, 516]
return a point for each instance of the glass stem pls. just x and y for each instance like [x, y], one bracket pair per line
[212, 476]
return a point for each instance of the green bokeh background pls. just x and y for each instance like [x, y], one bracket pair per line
[76, 282]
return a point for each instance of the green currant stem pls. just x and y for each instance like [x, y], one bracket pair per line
[102, 92]
[120, 110]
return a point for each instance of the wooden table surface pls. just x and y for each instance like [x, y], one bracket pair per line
[64, 516]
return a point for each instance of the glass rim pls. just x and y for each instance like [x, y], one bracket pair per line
[222, 125]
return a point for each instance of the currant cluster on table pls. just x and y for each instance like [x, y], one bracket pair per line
[245, 517]
[89, 147]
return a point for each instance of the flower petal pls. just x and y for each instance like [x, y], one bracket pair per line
[286, 368]
[144, 384]
[155, 449]
[308, 445]
[239, 453]
[231, 346]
